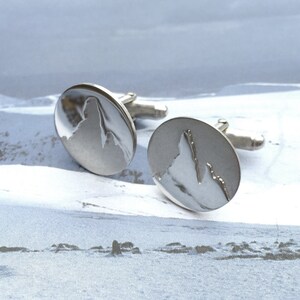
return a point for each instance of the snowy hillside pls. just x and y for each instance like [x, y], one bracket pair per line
[33, 156]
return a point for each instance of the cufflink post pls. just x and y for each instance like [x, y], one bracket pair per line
[240, 139]
[143, 109]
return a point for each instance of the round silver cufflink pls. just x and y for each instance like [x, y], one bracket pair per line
[97, 128]
[195, 164]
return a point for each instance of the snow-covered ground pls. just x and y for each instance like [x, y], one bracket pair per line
[179, 259]
[55, 215]
[33, 156]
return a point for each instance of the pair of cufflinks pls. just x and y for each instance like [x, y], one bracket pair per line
[194, 164]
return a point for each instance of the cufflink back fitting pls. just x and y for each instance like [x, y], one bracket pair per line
[195, 164]
[97, 128]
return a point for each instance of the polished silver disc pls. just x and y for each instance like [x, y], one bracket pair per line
[194, 164]
[95, 128]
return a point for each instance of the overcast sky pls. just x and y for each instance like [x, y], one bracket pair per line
[172, 48]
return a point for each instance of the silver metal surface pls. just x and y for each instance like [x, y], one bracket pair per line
[194, 164]
[146, 109]
[241, 139]
[96, 128]
[143, 109]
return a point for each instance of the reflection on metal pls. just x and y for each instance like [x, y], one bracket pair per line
[193, 164]
[96, 128]
[73, 110]
[187, 159]
[94, 122]
[189, 137]
[219, 180]
[92, 110]
[242, 140]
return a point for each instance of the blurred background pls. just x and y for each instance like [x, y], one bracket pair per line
[155, 48]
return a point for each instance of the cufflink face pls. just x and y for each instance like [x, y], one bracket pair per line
[194, 164]
[95, 128]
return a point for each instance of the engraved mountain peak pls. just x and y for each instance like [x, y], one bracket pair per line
[191, 179]
[95, 143]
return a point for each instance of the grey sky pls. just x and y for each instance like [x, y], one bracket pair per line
[169, 49]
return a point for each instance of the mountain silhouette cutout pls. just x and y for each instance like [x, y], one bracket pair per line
[191, 180]
[94, 145]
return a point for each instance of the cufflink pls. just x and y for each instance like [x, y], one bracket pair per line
[195, 164]
[97, 128]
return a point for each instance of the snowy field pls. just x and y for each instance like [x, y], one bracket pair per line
[34, 157]
[237, 60]
[58, 221]
[175, 259]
